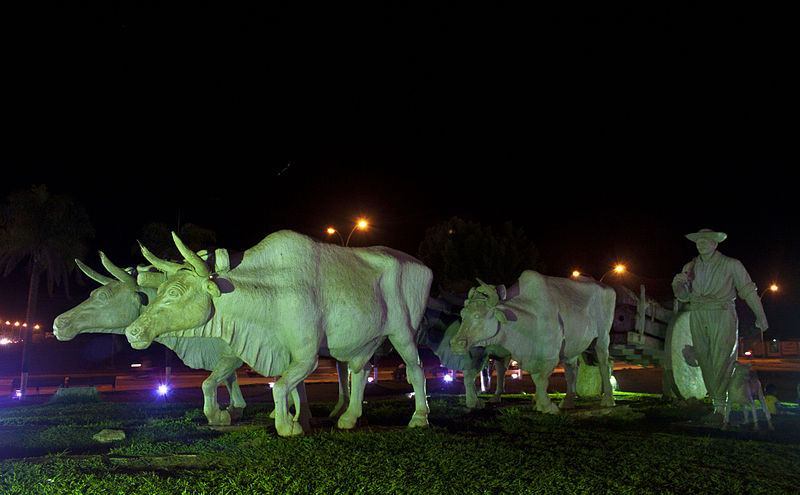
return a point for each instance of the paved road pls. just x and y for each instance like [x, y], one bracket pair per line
[322, 384]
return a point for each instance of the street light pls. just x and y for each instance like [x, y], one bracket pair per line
[772, 288]
[361, 224]
[619, 269]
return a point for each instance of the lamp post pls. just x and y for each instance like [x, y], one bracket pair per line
[361, 224]
[772, 288]
[619, 269]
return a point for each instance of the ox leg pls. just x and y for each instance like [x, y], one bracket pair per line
[298, 369]
[541, 378]
[211, 409]
[403, 343]
[763, 403]
[358, 383]
[297, 402]
[601, 350]
[470, 392]
[344, 389]
[752, 413]
[237, 404]
[571, 376]
[501, 365]
[726, 414]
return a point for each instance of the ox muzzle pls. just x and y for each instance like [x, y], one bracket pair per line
[138, 336]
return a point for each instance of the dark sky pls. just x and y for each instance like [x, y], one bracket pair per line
[606, 135]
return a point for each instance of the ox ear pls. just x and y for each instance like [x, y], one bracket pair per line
[212, 287]
[501, 292]
[500, 316]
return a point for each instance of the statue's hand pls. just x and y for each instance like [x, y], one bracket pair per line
[680, 279]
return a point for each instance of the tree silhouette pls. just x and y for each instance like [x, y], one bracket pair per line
[45, 232]
[460, 251]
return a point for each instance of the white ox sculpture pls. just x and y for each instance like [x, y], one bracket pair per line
[542, 321]
[439, 326]
[287, 297]
[119, 301]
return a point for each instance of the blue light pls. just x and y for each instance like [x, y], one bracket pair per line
[448, 378]
[163, 389]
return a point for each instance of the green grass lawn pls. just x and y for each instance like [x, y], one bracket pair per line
[645, 446]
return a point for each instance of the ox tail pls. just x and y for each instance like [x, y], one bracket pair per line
[415, 286]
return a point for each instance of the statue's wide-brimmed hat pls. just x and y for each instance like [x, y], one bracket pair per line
[707, 234]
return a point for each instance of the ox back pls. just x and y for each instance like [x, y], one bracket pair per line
[289, 287]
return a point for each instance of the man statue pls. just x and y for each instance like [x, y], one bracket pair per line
[710, 284]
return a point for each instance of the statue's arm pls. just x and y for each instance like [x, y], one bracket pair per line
[680, 284]
[746, 289]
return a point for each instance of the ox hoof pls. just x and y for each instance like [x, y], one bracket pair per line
[477, 404]
[547, 408]
[293, 429]
[346, 422]
[495, 399]
[219, 418]
[607, 402]
[418, 420]
[235, 412]
[272, 414]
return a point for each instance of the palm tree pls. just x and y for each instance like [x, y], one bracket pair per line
[46, 232]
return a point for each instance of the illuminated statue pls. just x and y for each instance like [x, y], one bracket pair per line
[542, 320]
[709, 284]
[440, 326]
[119, 301]
[278, 302]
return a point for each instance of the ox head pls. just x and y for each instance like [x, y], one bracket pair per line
[481, 317]
[113, 306]
[183, 301]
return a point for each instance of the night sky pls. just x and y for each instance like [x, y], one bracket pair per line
[607, 136]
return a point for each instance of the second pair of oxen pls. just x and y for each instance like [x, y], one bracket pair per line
[282, 300]
[542, 321]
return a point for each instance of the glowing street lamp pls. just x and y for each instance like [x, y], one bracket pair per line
[619, 269]
[771, 288]
[361, 224]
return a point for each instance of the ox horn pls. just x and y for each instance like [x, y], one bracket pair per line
[162, 265]
[101, 279]
[116, 271]
[490, 291]
[191, 257]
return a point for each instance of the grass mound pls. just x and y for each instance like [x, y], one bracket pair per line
[645, 446]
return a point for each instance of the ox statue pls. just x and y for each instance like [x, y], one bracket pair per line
[542, 321]
[282, 300]
[743, 387]
[119, 301]
[440, 325]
